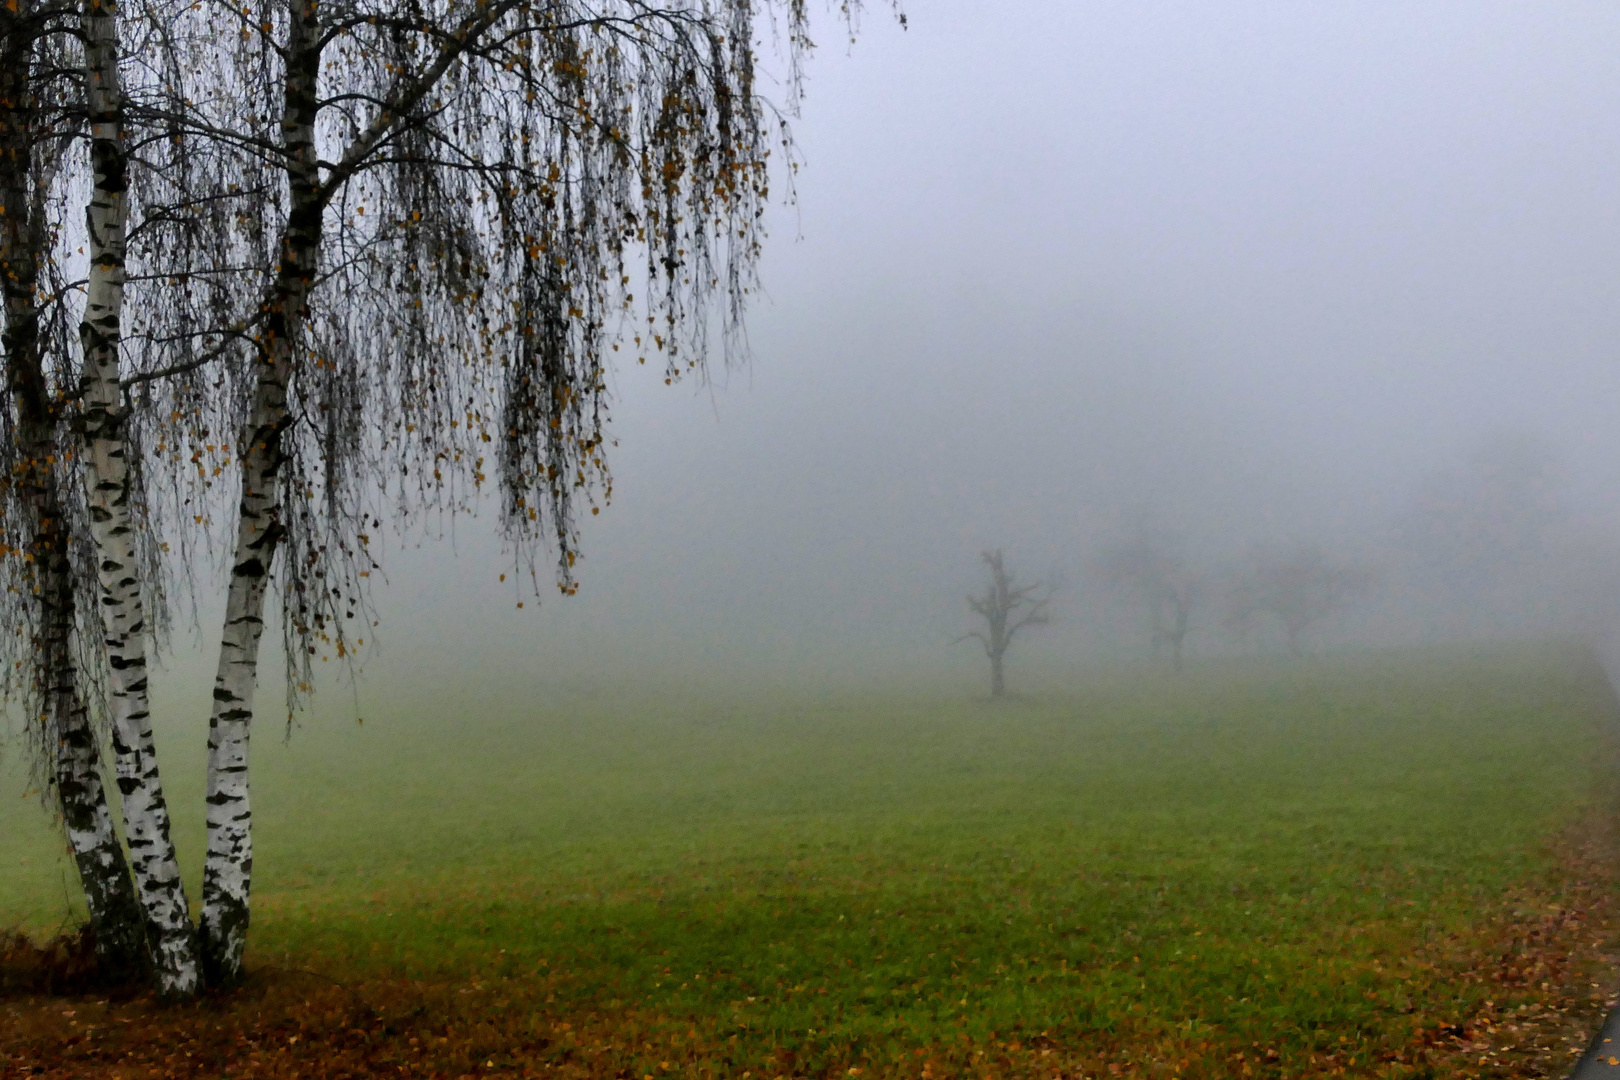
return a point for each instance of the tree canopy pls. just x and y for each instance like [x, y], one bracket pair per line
[278, 271]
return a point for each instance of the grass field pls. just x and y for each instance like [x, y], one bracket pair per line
[1388, 864]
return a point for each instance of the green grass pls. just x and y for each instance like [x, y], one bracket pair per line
[1252, 852]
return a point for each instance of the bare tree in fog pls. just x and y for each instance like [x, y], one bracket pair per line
[1149, 567]
[1297, 587]
[1006, 608]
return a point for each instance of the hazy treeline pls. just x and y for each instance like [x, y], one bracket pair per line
[1490, 545]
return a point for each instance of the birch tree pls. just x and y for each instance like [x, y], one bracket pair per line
[1006, 608]
[110, 497]
[43, 563]
[517, 159]
[446, 220]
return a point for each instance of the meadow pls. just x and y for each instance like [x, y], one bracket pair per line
[1381, 864]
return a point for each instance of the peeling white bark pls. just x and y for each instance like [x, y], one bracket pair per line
[170, 934]
[108, 893]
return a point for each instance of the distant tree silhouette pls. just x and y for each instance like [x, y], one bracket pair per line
[1006, 608]
[1149, 567]
[1298, 587]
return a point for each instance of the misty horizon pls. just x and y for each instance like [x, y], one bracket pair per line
[1256, 274]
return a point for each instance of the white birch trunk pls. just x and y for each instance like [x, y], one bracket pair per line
[227, 876]
[170, 934]
[71, 743]
[108, 892]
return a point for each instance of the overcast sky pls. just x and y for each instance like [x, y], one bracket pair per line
[1253, 268]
